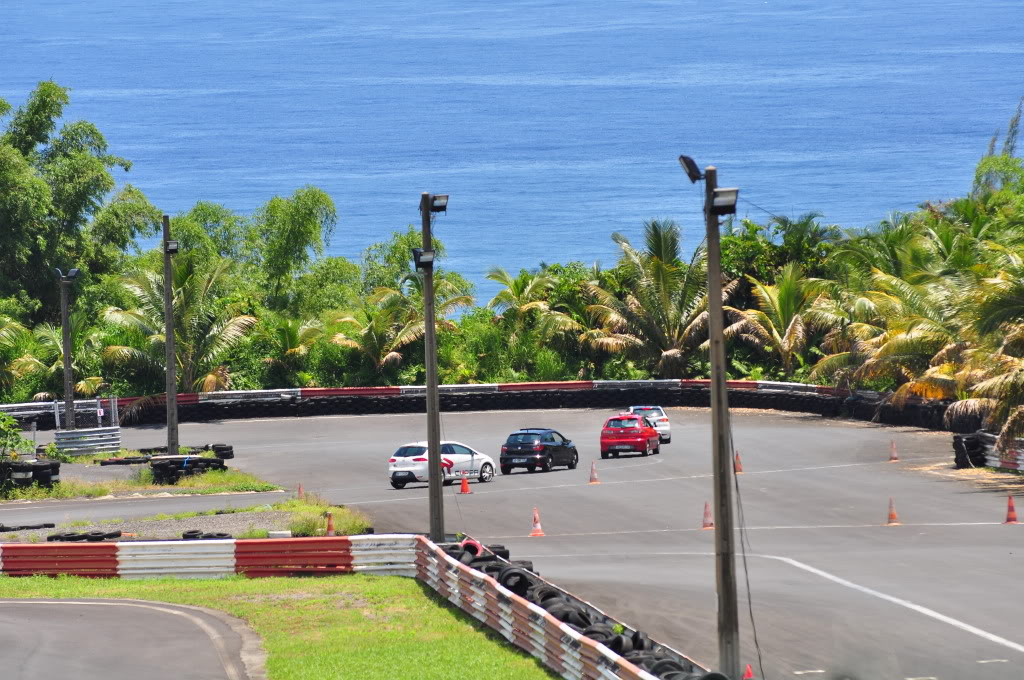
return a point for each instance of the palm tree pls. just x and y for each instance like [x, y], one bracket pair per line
[46, 357]
[521, 294]
[850, 320]
[779, 325]
[407, 299]
[14, 338]
[665, 309]
[378, 334]
[291, 340]
[582, 326]
[204, 330]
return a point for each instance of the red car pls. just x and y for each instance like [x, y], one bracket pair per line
[629, 432]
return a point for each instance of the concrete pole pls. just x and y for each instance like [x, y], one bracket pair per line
[170, 358]
[725, 553]
[433, 403]
[69, 382]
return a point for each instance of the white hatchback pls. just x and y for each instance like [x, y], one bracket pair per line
[408, 464]
[658, 418]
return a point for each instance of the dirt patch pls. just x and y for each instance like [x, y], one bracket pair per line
[987, 479]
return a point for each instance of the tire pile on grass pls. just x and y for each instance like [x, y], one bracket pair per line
[170, 471]
[25, 473]
[91, 536]
[520, 577]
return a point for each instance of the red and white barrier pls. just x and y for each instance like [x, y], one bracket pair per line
[524, 624]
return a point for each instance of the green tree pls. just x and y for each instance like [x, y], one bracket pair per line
[52, 200]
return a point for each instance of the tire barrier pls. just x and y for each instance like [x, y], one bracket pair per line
[979, 450]
[91, 536]
[25, 473]
[568, 635]
[26, 527]
[169, 469]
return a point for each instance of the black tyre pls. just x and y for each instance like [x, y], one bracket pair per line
[448, 482]
[604, 455]
[575, 461]
[657, 450]
[545, 465]
[113, 534]
[192, 534]
[216, 536]
[74, 537]
[54, 537]
[506, 469]
[95, 536]
[647, 451]
[531, 468]
[486, 473]
[397, 485]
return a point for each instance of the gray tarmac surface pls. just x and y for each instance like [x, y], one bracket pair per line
[123, 640]
[834, 590]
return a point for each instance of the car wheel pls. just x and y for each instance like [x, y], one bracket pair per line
[615, 455]
[506, 469]
[657, 449]
[448, 482]
[531, 468]
[486, 472]
[575, 461]
[397, 485]
[647, 451]
[545, 466]
[604, 455]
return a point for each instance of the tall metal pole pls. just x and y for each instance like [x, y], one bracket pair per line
[433, 403]
[69, 383]
[725, 554]
[170, 357]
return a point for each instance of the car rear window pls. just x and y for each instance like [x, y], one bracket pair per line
[622, 422]
[523, 438]
[407, 451]
[655, 411]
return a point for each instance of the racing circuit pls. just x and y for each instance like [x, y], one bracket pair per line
[836, 592]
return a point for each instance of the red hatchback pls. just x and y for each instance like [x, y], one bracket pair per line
[629, 432]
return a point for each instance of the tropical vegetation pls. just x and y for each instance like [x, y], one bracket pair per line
[924, 304]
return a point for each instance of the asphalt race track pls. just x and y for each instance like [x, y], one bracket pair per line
[122, 640]
[836, 593]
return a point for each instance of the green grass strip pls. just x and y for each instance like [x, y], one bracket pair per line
[357, 626]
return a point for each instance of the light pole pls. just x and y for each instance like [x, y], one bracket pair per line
[65, 325]
[170, 248]
[720, 201]
[424, 260]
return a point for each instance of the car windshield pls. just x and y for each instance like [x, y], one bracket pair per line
[623, 422]
[523, 438]
[408, 451]
[651, 411]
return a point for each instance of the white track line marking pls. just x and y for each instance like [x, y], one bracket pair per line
[764, 528]
[923, 677]
[639, 481]
[993, 661]
[806, 672]
[907, 604]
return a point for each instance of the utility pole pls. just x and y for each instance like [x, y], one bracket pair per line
[65, 326]
[426, 263]
[170, 248]
[725, 554]
[66, 337]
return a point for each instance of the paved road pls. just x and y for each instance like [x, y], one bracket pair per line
[834, 591]
[122, 640]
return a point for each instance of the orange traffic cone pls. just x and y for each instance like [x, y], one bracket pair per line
[738, 464]
[893, 519]
[465, 485]
[708, 522]
[748, 674]
[1011, 511]
[893, 456]
[330, 524]
[537, 531]
[302, 494]
[593, 473]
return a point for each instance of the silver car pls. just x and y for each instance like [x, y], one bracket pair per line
[658, 417]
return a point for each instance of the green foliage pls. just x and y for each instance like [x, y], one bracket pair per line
[11, 439]
[291, 230]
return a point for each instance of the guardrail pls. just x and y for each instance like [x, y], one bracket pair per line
[88, 440]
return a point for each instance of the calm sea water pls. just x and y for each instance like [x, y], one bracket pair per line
[551, 124]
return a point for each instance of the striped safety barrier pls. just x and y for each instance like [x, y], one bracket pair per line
[524, 624]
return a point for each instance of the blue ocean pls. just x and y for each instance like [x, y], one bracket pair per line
[550, 124]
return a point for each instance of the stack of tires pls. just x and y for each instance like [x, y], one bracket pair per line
[170, 470]
[223, 451]
[25, 473]
[969, 451]
[91, 536]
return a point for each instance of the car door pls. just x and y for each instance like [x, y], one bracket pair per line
[550, 447]
[561, 455]
[451, 466]
[652, 434]
[467, 460]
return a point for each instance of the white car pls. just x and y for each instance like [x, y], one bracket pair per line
[658, 418]
[409, 464]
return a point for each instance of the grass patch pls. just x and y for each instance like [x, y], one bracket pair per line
[215, 481]
[254, 533]
[356, 626]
